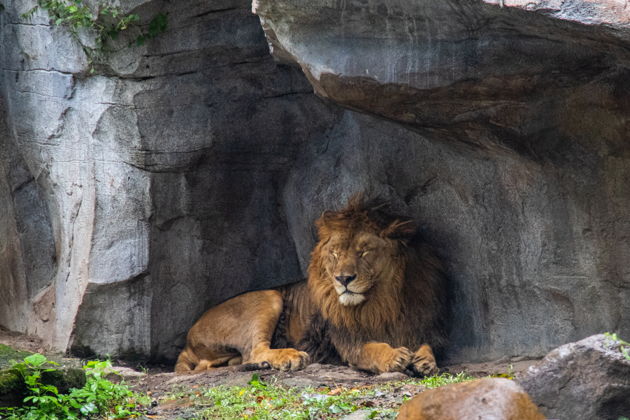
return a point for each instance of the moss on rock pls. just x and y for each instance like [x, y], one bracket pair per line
[64, 379]
[11, 388]
[8, 355]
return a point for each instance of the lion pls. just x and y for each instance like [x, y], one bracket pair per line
[374, 299]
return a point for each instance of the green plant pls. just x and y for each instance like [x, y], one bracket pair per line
[507, 375]
[105, 23]
[43, 396]
[437, 381]
[97, 397]
[624, 346]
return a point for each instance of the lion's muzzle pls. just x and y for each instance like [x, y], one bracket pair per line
[349, 298]
[345, 280]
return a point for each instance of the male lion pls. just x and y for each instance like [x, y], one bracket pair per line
[374, 298]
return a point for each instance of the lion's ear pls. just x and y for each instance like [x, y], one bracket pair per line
[399, 229]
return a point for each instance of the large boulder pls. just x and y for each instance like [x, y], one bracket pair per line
[587, 380]
[488, 398]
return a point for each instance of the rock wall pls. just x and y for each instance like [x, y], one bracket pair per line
[136, 198]
[26, 233]
[191, 168]
[535, 252]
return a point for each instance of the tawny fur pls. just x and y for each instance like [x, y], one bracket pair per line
[400, 316]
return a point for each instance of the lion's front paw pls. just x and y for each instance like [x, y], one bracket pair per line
[423, 362]
[287, 359]
[395, 360]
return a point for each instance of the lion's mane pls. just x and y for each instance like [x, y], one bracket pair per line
[407, 310]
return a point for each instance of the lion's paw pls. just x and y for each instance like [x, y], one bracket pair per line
[287, 359]
[396, 360]
[423, 362]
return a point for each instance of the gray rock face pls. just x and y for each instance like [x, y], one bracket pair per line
[134, 199]
[190, 169]
[26, 232]
[589, 379]
[528, 245]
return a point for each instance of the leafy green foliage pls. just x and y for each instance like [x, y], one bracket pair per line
[97, 397]
[263, 400]
[105, 24]
[256, 382]
[624, 346]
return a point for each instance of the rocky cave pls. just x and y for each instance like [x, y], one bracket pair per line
[189, 169]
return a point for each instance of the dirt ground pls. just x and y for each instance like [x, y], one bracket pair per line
[314, 376]
[20, 341]
[158, 381]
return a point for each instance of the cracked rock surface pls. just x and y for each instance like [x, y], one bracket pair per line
[589, 379]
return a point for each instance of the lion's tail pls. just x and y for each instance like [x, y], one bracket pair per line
[185, 363]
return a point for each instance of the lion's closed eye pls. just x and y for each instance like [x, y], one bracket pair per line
[364, 252]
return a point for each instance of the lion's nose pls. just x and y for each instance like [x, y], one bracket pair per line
[345, 280]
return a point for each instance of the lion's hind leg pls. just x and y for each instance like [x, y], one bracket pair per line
[237, 331]
[207, 364]
[237, 360]
[186, 361]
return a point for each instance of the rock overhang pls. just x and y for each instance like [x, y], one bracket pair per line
[448, 64]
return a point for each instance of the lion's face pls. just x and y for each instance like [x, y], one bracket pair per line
[354, 263]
